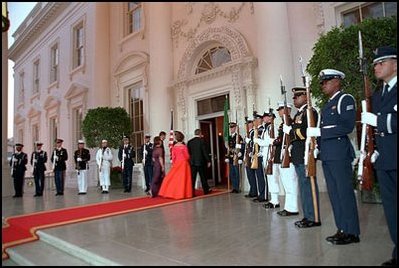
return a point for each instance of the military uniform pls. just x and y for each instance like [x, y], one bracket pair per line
[104, 159]
[58, 158]
[18, 167]
[298, 137]
[384, 119]
[249, 145]
[126, 154]
[82, 157]
[259, 172]
[231, 151]
[38, 160]
[289, 178]
[146, 150]
[336, 153]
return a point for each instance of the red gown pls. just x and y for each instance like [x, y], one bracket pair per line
[177, 184]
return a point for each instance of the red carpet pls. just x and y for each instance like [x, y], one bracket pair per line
[22, 229]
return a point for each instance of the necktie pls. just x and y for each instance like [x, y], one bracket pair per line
[385, 91]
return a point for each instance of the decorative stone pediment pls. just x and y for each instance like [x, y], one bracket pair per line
[19, 118]
[33, 111]
[51, 102]
[130, 61]
[75, 90]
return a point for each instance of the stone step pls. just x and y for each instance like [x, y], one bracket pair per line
[75, 251]
[39, 253]
[8, 262]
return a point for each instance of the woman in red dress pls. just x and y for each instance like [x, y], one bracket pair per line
[177, 183]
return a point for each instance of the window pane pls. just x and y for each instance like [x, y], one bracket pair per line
[137, 20]
[351, 18]
[391, 9]
[220, 56]
[372, 11]
[213, 58]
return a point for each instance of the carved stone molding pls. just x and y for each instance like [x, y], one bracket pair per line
[209, 13]
[226, 36]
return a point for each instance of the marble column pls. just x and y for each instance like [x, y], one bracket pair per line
[274, 53]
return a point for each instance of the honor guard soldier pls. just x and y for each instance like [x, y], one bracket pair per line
[82, 157]
[249, 144]
[384, 118]
[288, 176]
[38, 160]
[234, 152]
[58, 158]
[126, 154]
[258, 158]
[297, 132]
[146, 150]
[264, 141]
[338, 118]
[18, 163]
[103, 158]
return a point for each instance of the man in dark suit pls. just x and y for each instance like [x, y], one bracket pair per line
[384, 118]
[18, 167]
[126, 155]
[38, 161]
[199, 157]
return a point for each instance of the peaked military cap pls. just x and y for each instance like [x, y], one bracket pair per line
[81, 142]
[384, 53]
[19, 144]
[269, 113]
[249, 119]
[38, 143]
[147, 135]
[328, 74]
[232, 124]
[104, 141]
[298, 90]
[256, 115]
[280, 105]
[59, 140]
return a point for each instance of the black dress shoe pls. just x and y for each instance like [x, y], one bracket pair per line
[285, 213]
[207, 192]
[391, 262]
[234, 191]
[36, 195]
[258, 200]
[271, 205]
[336, 236]
[249, 196]
[308, 224]
[300, 222]
[346, 239]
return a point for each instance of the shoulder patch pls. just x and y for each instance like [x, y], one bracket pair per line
[349, 107]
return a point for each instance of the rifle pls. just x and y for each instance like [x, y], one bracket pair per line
[272, 148]
[34, 160]
[123, 157]
[285, 154]
[77, 161]
[236, 150]
[255, 148]
[365, 173]
[247, 160]
[310, 146]
[55, 159]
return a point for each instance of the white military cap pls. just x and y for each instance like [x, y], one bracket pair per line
[80, 142]
[104, 141]
[280, 105]
[147, 135]
[328, 74]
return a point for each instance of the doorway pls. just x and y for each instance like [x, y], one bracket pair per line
[212, 131]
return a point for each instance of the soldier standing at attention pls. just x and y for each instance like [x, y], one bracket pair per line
[18, 167]
[146, 150]
[82, 157]
[338, 118]
[384, 118]
[38, 161]
[103, 158]
[58, 158]
[126, 154]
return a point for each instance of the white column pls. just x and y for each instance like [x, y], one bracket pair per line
[161, 67]
[7, 183]
[274, 53]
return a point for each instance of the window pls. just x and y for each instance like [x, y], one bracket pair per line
[369, 10]
[211, 105]
[36, 75]
[213, 58]
[136, 93]
[77, 124]
[35, 135]
[53, 131]
[134, 14]
[78, 45]
[21, 87]
[54, 68]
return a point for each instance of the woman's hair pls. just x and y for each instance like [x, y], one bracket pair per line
[157, 140]
[179, 136]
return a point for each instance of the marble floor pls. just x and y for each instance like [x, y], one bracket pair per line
[227, 229]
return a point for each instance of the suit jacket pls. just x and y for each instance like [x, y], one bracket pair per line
[198, 151]
[386, 138]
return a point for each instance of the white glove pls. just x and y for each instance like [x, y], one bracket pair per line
[14, 159]
[313, 132]
[374, 156]
[239, 161]
[238, 146]
[55, 158]
[256, 140]
[239, 154]
[250, 154]
[34, 161]
[227, 160]
[369, 118]
[79, 159]
[247, 140]
[271, 140]
[286, 129]
[316, 152]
